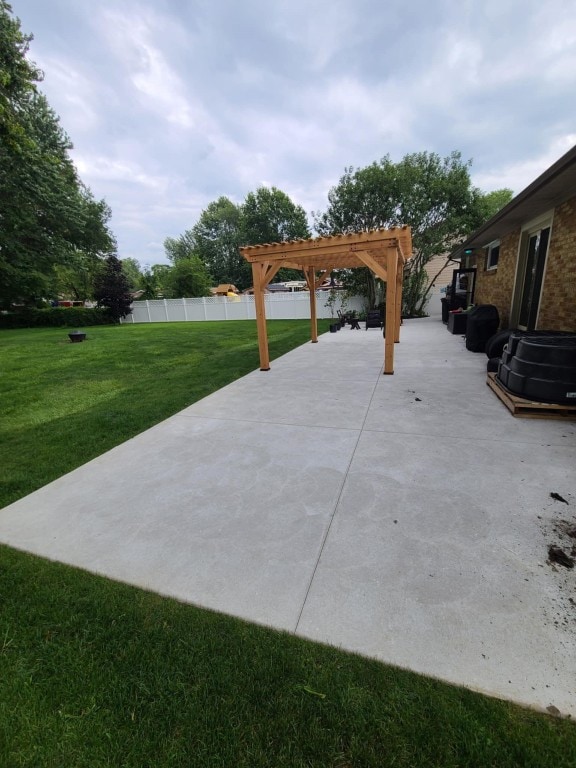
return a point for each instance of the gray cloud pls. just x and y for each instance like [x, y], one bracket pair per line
[171, 104]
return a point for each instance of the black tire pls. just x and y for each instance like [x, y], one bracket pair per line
[495, 344]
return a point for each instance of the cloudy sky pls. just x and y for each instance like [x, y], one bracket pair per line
[173, 103]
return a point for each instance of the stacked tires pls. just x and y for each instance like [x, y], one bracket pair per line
[540, 367]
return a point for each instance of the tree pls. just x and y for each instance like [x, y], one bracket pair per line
[160, 273]
[18, 76]
[75, 281]
[217, 237]
[432, 195]
[75, 277]
[111, 289]
[131, 269]
[47, 216]
[187, 278]
[153, 281]
[266, 216]
[270, 216]
[487, 204]
[180, 247]
[149, 286]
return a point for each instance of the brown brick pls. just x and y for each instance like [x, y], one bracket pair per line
[558, 303]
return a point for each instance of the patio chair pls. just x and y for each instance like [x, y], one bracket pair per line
[373, 319]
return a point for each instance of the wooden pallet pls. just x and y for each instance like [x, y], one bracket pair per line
[527, 408]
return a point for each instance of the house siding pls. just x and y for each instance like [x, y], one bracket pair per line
[558, 303]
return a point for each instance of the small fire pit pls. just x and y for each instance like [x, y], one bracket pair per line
[76, 336]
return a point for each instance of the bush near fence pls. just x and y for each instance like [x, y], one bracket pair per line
[56, 317]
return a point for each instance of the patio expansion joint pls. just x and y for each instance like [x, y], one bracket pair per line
[336, 505]
[275, 423]
[513, 440]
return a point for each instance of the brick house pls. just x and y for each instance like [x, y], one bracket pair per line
[525, 255]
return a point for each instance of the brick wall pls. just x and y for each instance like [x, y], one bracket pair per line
[558, 305]
[495, 286]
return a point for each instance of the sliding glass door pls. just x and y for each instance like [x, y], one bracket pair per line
[531, 279]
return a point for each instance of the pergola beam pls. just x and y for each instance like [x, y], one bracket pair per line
[374, 265]
[321, 246]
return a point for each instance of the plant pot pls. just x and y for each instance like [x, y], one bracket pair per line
[76, 336]
[334, 327]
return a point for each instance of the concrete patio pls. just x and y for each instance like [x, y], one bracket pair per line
[403, 517]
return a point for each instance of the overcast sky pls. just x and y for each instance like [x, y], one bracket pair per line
[172, 103]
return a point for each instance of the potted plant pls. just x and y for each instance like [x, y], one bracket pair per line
[330, 304]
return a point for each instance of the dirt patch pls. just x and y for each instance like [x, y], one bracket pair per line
[557, 555]
[559, 530]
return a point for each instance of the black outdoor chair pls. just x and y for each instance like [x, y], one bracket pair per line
[373, 319]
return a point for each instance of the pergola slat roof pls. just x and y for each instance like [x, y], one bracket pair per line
[322, 252]
[384, 251]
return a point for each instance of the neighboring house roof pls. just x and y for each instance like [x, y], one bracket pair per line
[556, 185]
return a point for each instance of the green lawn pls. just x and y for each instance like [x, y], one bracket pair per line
[94, 673]
[63, 404]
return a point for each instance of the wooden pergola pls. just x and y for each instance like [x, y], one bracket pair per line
[384, 251]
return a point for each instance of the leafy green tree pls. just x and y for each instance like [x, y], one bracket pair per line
[47, 216]
[267, 215]
[180, 247]
[432, 195]
[131, 269]
[217, 237]
[487, 204]
[111, 289]
[160, 273]
[148, 285]
[270, 216]
[74, 278]
[187, 278]
[153, 281]
[76, 281]
[18, 77]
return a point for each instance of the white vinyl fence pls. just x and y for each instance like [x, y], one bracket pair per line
[279, 306]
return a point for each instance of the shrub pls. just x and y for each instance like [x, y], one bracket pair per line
[56, 317]
[111, 289]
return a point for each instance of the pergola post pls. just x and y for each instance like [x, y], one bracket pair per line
[311, 280]
[391, 311]
[399, 281]
[258, 273]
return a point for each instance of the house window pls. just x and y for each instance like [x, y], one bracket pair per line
[492, 254]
